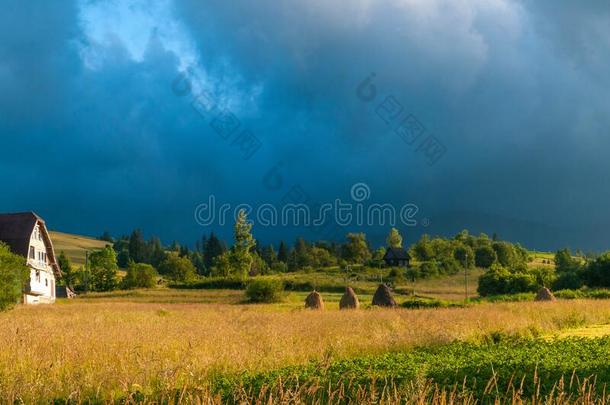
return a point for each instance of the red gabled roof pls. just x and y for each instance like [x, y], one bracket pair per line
[16, 231]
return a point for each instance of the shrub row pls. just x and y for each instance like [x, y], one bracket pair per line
[422, 303]
[583, 293]
[220, 283]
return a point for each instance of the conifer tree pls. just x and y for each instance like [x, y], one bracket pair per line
[241, 255]
[282, 254]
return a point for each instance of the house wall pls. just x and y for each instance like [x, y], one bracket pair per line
[42, 279]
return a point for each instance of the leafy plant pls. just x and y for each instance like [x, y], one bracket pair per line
[265, 290]
[14, 275]
[140, 275]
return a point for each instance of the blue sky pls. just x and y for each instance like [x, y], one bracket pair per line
[95, 136]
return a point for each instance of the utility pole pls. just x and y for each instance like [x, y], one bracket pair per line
[86, 271]
[346, 276]
[466, 278]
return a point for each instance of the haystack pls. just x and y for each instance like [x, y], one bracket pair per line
[314, 301]
[383, 297]
[544, 294]
[349, 299]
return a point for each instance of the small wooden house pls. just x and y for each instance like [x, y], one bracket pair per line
[27, 236]
[396, 257]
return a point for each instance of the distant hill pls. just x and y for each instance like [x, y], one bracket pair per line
[75, 246]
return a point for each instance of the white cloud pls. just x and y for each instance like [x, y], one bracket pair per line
[130, 25]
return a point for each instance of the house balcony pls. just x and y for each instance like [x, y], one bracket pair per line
[38, 265]
[35, 289]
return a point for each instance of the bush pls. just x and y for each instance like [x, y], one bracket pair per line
[279, 267]
[140, 275]
[14, 275]
[498, 280]
[396, 275]
[522, 282]
[568, 280]
[421, 303]
[265, 290]
[428, 269]
[598, 271]
[177, 268]
[212, 283]
[564, 261]
[527, 296]
[600, 294]
[413, 273]
[485, 256]
[544, 276]
[568, 294]
[259, 266]
[505, 253]
[450, 266]
[464, 255]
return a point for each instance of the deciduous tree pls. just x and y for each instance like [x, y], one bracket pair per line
[356, 250]
[394, 240]
[103, 269]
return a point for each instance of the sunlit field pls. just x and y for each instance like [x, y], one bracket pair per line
[75, 246]
[159, 341]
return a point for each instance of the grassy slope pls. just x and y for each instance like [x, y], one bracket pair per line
[75, 246]
[447, 287]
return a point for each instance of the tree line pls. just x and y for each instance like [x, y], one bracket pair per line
[567, 271]
[145, 260]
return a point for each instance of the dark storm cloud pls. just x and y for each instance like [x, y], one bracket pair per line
[515, 91]
[511, 89]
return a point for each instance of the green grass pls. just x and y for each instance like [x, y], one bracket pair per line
[161, 296]
[364, 282]
[291, 299]
[446, 287]
[535, 364]
[591, 331]
[542, 255]
[75, 246]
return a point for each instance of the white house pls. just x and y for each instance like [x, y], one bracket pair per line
[26, 235]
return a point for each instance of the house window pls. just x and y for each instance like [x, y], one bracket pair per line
[37, 234]
[38, 276]
[32, 252]
[46, 282]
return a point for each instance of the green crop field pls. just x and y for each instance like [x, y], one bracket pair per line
[487, 371]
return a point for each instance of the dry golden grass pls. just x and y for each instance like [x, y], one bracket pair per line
[447, 287]
[105, 349]
[75, 246]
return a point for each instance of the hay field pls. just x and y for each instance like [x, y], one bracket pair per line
[108, 347]
[75, 246]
